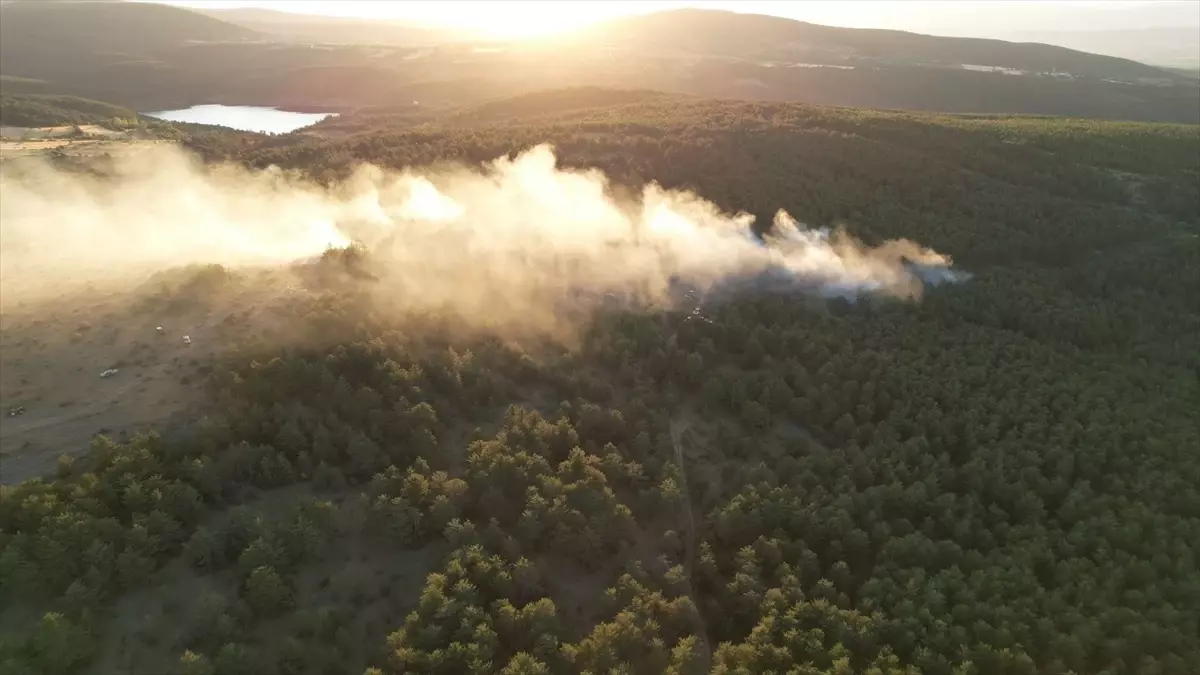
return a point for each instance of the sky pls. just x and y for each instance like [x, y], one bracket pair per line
[1003, 19]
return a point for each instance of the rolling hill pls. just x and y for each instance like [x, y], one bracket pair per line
[1167, 46]
[770, 38]
[53, 31]
[73, 44]
[294, 27]
[148, 57]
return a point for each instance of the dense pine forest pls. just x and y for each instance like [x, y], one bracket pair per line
[1002, 477]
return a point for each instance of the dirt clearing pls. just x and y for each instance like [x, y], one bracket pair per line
[50, 371]
[56, 354]
[88, 147]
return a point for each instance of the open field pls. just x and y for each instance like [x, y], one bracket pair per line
[51, 365]
[54, 349]
[62, 131]
[117, 143]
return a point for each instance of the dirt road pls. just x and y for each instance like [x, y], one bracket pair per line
[679, 425]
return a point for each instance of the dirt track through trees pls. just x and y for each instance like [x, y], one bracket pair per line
[679, 425]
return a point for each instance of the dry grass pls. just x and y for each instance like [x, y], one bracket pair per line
[89, 146]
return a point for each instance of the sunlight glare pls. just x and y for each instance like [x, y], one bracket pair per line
[504, 20]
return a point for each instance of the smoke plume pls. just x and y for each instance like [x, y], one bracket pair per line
[510, 242]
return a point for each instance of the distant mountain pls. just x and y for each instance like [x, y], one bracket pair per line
[290, 26]
[101, 26]
[1171, 46]
[47, 38]
[773, 39]
[154, 57]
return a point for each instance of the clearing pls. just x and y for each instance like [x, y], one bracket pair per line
[84, 140]
[53, 351]
[51, 358]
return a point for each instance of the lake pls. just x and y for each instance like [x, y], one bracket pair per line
[244, 117]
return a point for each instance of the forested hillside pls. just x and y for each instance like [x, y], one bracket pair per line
[1002, 477]
[37, 110]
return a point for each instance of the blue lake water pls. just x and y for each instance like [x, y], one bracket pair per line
[244, 117]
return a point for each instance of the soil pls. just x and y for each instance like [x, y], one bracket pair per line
[51, 358]
[53, 351]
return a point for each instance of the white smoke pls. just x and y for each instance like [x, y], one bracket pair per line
[156, 209]
[506, 243]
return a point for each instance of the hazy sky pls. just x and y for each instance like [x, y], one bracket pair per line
[968, 18]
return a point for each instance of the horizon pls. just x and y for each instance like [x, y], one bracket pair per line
[515, 19]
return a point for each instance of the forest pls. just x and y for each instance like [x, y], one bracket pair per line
[37, 110]
[1000, 478]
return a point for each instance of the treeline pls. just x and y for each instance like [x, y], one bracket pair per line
[1002, 478]
[42, 110]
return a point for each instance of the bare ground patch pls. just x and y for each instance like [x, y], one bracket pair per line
[53, 352]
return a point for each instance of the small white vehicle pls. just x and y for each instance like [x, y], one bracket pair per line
[187, 339]
[109, 373]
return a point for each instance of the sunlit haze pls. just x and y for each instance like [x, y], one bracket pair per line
[969, 18]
